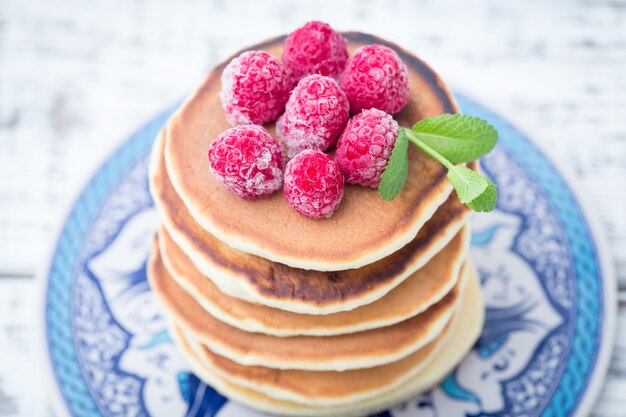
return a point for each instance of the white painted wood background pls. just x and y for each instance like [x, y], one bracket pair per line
[77, 77]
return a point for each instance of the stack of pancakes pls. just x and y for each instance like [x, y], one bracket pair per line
[297, 316]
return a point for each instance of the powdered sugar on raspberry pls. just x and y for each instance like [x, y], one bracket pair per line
[315, 115]
[248, 161]
[255, 88]
[376, 77]
[315, 48]
[365, 146]
[313, 184]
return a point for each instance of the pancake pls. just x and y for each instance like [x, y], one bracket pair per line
[459, 342]
[422, 289]
[259, 280]
[321, 388]
[337, 353]
[364, 229]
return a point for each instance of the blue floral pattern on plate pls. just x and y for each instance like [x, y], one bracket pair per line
[544, 285]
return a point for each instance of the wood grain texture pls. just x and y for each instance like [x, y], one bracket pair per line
[77, 77]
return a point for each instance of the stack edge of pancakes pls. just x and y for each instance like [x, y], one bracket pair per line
[296, 316]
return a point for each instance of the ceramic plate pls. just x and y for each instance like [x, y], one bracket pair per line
[548, 290]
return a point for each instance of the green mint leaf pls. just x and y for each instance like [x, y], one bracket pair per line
[474, 190]
[468, 184]
[394, 176]
[456, 137]
[450, 139]
[486, 201]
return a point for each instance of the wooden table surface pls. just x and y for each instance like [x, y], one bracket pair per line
[77, 77]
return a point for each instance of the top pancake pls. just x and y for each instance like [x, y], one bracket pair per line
[364, 229]
[258, 280]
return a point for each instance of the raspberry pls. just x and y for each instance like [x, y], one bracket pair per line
[313, 184]
[316, 113]
[255, 88]
[315, 48]
[248, 161]
[375, 77]
[365, 146]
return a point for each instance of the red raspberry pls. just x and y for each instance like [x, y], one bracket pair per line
[313, 184]
[365, 146]
[315, 48]
[316, 113]
[248, 161]
[376, 77]
[255, 88]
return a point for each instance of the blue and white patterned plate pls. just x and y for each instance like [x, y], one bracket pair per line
[550, 299]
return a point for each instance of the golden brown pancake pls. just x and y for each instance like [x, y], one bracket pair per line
[339, 352]
[462, 336]
[422, 289]
[322, 387]
[364, 229]
[259, 280]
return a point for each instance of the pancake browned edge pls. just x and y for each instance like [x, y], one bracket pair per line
[325, 388]
[424, 288]
[321, 388]
[337, 353]
[459, 342]
[259, 280]
[363, 230]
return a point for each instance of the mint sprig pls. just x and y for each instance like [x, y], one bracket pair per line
[450, 139]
